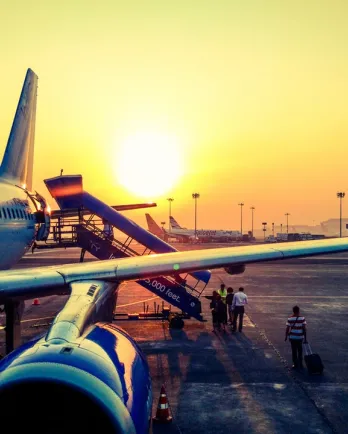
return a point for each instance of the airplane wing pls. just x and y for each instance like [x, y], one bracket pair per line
[33, 282]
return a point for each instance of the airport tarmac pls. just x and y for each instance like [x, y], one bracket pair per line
[239, 382]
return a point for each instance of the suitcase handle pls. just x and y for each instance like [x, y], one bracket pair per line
[307, 349]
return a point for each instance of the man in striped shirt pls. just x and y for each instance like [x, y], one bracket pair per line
[296, 331]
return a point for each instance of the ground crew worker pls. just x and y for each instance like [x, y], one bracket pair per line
[223, 294]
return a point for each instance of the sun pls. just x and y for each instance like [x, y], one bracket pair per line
[148, 164]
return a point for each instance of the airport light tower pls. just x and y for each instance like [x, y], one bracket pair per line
[264, 230]
[241, 217]
[341, 195]
[170, 200]
[252, 221]
[195, 196]
[287, 222]
[273, 228]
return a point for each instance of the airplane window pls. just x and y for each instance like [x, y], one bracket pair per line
[21, 213]
[0, 214]
[17, 213]
[13, 213]
[9, 213]
[5, 216]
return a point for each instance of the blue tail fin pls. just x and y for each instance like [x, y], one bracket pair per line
[17, 163]
[174, 224]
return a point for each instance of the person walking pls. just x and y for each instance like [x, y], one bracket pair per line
[214, 310]
[229, 301]
[221, 313]
[240, 299]
[223, 294]
[296, 331]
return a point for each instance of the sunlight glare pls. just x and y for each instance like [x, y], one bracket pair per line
[149, 164]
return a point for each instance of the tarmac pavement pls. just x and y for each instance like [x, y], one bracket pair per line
[240, 382]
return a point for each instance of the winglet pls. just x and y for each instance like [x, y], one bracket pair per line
[17, 163]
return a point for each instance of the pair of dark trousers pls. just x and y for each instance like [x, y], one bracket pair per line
[238, 311]
[296, 348]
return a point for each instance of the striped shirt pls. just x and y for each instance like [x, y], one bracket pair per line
[296, 327]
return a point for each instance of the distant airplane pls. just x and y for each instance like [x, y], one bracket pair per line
[85, 375]
[188, 235]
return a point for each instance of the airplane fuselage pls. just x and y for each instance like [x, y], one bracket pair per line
[205, 234]
[17, 224]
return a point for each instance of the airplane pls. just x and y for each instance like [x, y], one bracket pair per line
[188, 235]
[86, 374]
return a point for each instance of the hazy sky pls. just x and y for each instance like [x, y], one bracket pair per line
[253, 94]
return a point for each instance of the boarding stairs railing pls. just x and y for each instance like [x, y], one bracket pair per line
[87, 233]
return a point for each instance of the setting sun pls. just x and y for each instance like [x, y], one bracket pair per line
[149, 164]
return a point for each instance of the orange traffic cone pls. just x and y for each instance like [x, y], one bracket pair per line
[162, 414]
[36, 302]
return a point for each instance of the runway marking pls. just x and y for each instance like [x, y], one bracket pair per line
[38, 319]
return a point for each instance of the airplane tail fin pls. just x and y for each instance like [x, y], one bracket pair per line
[17, 163]
[153, 226]
[174, 224]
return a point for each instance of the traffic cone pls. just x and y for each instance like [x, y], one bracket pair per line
[162, 414]
[36, 302]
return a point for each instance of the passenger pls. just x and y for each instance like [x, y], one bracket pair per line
[223, 294]
[296, 331]
[239, 301]
[229, 301]
[214, 310]
[221, 313]
[33, 247]
[108, 230]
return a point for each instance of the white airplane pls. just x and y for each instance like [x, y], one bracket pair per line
[85, 374]
[188, 235]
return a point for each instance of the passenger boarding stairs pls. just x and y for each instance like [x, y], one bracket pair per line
[87, 231]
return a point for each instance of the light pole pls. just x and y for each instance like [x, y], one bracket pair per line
[241, 217]
[264, 230]
[170, 200]
[252, 221]
[287, 222]
[273, 229]
[163, 223]
[341, 195]
[281, 228]
[195, 196]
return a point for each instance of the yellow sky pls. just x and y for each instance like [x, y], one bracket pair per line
[255, 93]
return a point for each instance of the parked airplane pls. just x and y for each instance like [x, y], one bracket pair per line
[188, 235]
[86, 375]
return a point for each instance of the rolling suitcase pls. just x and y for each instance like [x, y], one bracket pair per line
[313, 361]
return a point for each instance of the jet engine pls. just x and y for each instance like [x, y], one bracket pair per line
[235, 269]
[99, 383]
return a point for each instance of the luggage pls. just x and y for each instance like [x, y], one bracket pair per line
[312, 361]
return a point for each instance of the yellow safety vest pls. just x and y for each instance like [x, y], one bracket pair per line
[223, 294]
